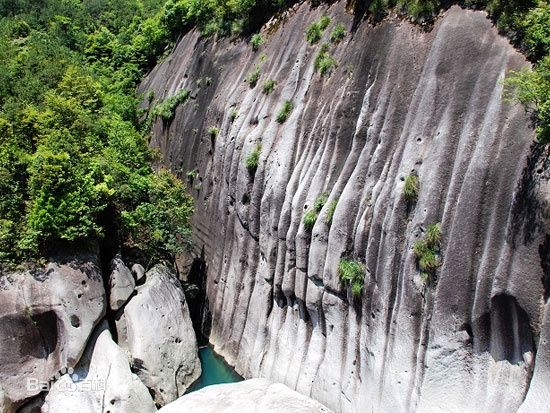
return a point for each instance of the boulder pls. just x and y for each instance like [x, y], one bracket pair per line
[46, 318]
[121, 284]
[138, 271]
[257, 395]
[158, 334]
[100, 382]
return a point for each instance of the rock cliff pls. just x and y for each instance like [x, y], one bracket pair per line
[400, 102]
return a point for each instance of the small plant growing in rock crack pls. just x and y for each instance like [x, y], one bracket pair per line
[253, 159]
[352, 273]
[315, 30]
[268, 86]
[411, 188]
[427, 253]
[330, 211]
[323, 22]
[192, 175]
[166, 109]
[311, 216]
[213, 132]
[338, 33]
[324, 62]
[256, 41]
[233, 114]
[253, 77]
[208, 81]
[313, 33]
[285, 111]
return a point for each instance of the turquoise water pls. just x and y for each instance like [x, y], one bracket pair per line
[214, 370]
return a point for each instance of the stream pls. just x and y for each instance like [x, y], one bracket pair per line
[214, 370]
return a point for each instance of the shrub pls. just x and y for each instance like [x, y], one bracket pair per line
[352, 273]
[253, 77]
[323, 22]
[313, 33]
[256, 41]
[411, 188]
[330, 211]
[419, 9]
[427, 252]
[268, 86]
[309, 220]
[233, 114]
[315, 30]
[324, 62]
[213, 132]
[311, 216]
[532, 89]
[338, 33]
[253, 159]
[285, 111]
[166, 110]
[433, 235]
[320, 202]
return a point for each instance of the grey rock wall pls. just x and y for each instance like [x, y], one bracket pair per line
[46, 317]
[401, 101]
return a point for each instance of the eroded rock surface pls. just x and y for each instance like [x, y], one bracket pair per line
[101, 382]
[46, 318]
[401, 101]
[121, 284]
[157, 331]
[257, 395]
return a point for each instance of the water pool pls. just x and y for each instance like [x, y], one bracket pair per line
[214, 370]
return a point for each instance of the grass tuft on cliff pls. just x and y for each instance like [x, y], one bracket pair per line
[352, 273]
[285, 111]
[253, 159]
[411, 188]
[427, 253]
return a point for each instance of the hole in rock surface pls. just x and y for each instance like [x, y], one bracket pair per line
[504, 331]
[33, 335]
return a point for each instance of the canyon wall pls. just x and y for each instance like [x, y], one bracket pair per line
[401, 101]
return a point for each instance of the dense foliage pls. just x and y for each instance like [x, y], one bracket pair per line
[74, 160]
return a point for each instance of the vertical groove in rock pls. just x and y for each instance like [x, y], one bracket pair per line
[400, 101]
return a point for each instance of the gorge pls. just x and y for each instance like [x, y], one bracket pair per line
[332, 145]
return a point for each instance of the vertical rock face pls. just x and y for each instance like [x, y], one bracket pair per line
[46, 318]
[400, 102]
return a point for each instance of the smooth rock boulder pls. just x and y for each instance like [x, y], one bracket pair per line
[159, 336]
[256, 395]
[46, 318]
[121, 283]
[101, 382]
[138, 272]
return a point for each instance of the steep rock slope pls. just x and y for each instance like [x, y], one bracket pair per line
[401, 101]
